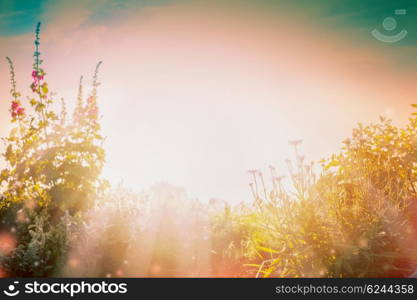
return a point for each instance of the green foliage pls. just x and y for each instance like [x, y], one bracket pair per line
[42, 245]
[357, 218]
[354, 220]
[229, 254]
[55, 163]
[51, 174]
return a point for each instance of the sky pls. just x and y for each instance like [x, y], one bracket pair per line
[195, 93]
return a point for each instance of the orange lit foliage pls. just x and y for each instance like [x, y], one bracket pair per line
[52, 162]
[52, 172]
[356, 220]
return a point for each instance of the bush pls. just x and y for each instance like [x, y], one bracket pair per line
[51, 174]
[357, 219]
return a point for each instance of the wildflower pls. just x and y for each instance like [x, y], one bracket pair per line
[295, 142]
[253, 172]
[15, 105]
[20, 111]
[16, 109]
[38, 75]
[279, 178]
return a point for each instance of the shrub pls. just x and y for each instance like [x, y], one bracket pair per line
[51, 174]
[357, 219]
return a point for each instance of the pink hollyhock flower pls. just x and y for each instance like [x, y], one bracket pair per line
[15, 105]
[14, 114]
[37, 76]
[20, 111]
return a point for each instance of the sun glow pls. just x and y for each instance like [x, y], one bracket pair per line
[209, 113]
[196, 97]
[199, 107]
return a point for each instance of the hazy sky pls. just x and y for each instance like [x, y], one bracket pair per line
[195, 93]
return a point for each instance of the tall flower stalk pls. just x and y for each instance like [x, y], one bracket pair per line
[38, 86]
[56, 163]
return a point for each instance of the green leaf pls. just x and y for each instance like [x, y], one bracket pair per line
[268, 250]
[45, 89]
[39, 107]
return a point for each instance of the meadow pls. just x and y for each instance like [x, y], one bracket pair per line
[353, 214]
